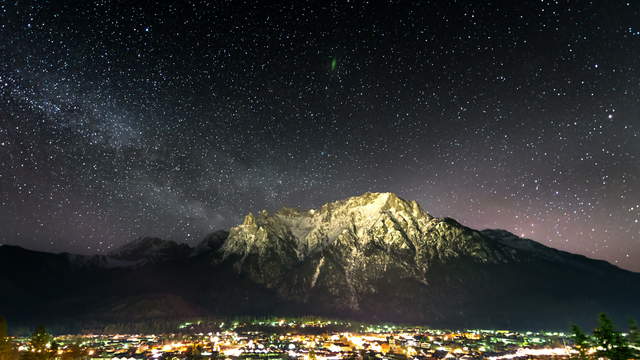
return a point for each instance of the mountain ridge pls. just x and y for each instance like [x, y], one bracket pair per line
[377, 246]
[375, 257]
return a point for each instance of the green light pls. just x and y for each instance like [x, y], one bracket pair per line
[334, 62]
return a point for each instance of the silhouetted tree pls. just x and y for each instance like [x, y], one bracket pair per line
[40, 339]
[611, 344]
[40, 346]
[581, 342]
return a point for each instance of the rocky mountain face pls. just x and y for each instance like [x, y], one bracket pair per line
[371, 257]
[379, 256]
[348, 246]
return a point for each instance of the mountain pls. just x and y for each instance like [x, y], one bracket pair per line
[148, 249]
[377, 256]
[374, 257]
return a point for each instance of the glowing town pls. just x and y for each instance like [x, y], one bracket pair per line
[307, 339]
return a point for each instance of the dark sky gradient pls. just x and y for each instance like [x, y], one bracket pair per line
[121, 119]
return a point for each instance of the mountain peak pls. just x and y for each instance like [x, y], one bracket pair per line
[213, 241]
[382, 218]
[374, 256]
[149, 248]
[354, 242]
[378, 202]
[310, 230]
[249, 219]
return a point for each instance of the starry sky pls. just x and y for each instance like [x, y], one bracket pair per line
[124, 118]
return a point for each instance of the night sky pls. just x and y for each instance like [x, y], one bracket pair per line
[121, 119]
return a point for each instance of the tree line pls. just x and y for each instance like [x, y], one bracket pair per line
[606, 341]
[42, 346]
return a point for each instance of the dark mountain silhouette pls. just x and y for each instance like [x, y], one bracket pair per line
[374, 257]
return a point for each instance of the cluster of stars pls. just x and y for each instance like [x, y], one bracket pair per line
[119, 120]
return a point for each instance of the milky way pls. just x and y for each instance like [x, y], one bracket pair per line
[121, 119]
